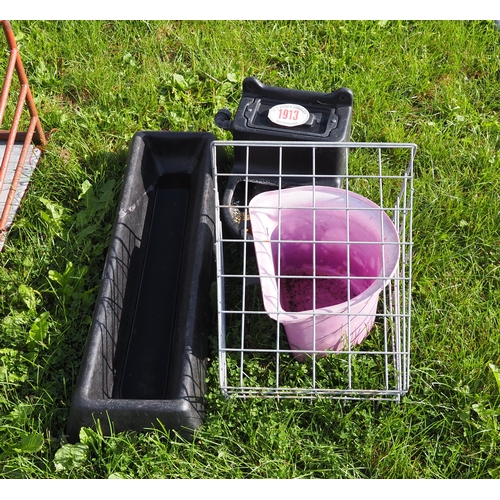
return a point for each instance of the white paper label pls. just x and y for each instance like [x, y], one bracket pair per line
[288, 115]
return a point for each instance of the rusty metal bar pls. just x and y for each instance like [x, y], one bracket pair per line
[20, 136]
[35, 131]
[7, 82]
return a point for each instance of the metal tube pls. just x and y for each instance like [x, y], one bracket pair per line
[12, 136]
[7, 82]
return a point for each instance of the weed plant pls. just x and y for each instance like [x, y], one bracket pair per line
[95, 84]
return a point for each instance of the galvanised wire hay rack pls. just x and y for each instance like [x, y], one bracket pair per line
[366, 354]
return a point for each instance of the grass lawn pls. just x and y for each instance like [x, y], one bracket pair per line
[435, 83]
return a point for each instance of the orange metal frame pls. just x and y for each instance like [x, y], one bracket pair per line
[33, 134]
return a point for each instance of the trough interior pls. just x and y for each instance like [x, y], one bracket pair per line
[144, 346]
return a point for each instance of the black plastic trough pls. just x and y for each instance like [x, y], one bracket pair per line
[145, 358]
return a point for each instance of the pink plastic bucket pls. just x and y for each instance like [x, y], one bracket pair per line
[326, 240]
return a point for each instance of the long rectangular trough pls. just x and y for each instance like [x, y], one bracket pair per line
[145, 357]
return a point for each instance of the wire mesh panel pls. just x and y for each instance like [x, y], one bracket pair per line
[314, 290]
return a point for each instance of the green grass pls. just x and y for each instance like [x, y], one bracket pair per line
[436, 84]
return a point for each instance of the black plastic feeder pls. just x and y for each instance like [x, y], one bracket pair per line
[275, 114]
[145, 357]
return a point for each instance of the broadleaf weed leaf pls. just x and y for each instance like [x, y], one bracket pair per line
[30, 443]
[70, 456]
[56, 276]
[496, 373]
[54, 217]
[28, 295]
[118, 475]
[180, 81]
[39, 329]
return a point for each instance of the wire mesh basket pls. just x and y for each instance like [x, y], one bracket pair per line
[258, 324]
